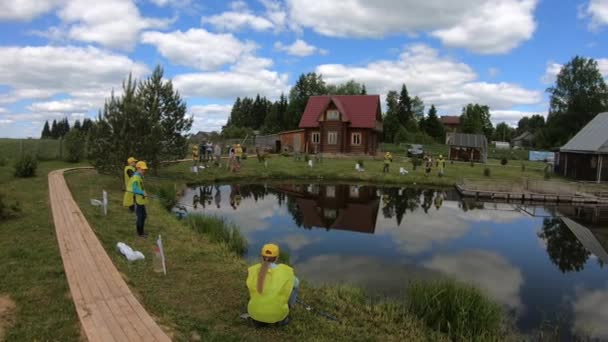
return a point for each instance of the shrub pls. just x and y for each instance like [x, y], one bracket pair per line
[416, 162]
[503, 161]
[459, 310]
[306, 157]
[8, 210]
[219, 231]
[487, 172]
[26, 166]
[75, 146]
[167, 196]
[523, 167]
[472, 163]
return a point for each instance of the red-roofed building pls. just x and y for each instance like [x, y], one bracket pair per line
[342, 124]
[451, 123]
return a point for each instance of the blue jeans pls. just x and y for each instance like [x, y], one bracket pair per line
[294, 294]
[140, 211]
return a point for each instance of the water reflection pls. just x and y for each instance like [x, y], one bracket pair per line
[380, 238]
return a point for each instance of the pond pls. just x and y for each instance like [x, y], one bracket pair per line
[545, 265]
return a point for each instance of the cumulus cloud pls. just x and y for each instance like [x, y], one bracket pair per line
[489, 271]
[250, 76]
[208, 118]
[437, 79]
[484, 26]
[199, 48]
[241, 17]
[597, 11]
[299, 48]
[24, 10]
[590, 316]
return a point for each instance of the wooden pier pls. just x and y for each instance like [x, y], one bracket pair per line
[527, 196]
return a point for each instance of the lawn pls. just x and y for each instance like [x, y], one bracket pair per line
[31, 267]
[47, 149]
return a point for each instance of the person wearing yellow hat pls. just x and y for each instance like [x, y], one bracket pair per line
[136, 186]
[440, 165]
[388, 159]
[273, 289]
[238, 151]
[129, 170]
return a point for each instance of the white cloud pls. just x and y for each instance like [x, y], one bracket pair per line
[597, 10]
[238, 19]
[299, 48]
[590, 316]
[209, 118]
[484, 26]
[437, 79]
[26, 9]
[487, 270]
[63, 106]
[99, 24]
[177, 3]
[199, 48]
[250, 76]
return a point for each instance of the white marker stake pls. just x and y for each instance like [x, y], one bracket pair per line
[310, 163]
[159, 243]
[105, 202]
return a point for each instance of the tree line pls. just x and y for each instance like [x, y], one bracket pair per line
[59, 129]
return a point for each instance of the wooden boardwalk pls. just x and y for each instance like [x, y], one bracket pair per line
[107, 309]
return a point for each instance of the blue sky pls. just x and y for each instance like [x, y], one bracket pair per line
[62, 58]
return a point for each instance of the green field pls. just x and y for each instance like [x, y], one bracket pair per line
[47, 149]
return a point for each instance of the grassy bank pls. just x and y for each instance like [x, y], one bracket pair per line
[30, 263]
[287, 169]
[204, 291]
[44, 149]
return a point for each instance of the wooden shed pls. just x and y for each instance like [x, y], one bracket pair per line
[292, 141]
[467, 147]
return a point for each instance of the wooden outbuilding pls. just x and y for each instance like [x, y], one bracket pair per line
[467, 147]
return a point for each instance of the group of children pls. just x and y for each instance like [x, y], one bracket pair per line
[206, 152]
[135, 197]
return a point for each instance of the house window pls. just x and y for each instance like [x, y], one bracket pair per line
[333, 115]
[330, 191]
[316, 138]
[330, 214]
[354, 191]
[332, 138]
[355, 139]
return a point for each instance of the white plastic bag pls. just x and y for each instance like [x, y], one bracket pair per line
[129, 253]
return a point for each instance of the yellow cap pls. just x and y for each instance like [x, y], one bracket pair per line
[270, 250]
[131, 160]
[440, 156]
[141, 165]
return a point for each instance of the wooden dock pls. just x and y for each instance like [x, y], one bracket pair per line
[107, 309]
[525, 196]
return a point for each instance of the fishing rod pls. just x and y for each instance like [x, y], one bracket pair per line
[318, 312]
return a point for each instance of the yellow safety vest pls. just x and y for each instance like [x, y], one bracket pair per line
[139, 199]
[387, 158]
[239, 152]
[127, 199]
[271, 305]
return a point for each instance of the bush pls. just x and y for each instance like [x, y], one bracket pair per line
[472, 163]
[487, 172]
[219, 231]
[8, 210]
[75, 146]
[459, 310]
[503, 161]
[26, 166]
[523, 167]
[416, 162]
[167, 196]
[306, 157]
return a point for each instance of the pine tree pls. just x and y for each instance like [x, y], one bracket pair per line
[404, 110]
[54, 130]
[46, 131]
[77, 125]
[433, 126]
[391, 121]
[363, 90]
[86, 125]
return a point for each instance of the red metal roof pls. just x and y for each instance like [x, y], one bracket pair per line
[450, 120]
[359, 110]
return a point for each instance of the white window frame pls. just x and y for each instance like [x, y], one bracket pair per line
[318, 138]
[352, 138]
[331, 141]
[333, 115]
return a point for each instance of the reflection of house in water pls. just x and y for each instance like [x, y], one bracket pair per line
[590, 225]
[342, 207]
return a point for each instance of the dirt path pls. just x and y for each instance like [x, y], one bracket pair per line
[107, 309]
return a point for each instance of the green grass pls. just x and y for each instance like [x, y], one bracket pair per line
[286, 168]
[31, 266]
[219, 231]
[44, 149]
[204, 291]
[461, 311]
[437, 149]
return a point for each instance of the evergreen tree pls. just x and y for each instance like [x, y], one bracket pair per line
[54, 131]
[475, 119]
[433, 126]
[307, 85]
[149, 120]
[363, 90]
[86, 125]
[77, 125]
[404, 110]
[46, 131]
[391, 121]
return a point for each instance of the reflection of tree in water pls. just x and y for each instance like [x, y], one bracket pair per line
[256, 191]
[470, 204]
[564, 249]
[294, 210]
[397, 205]
[428, 200]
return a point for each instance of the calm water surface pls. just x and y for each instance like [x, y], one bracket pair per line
[542, 268]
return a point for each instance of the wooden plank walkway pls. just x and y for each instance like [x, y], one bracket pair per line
[107, 309]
